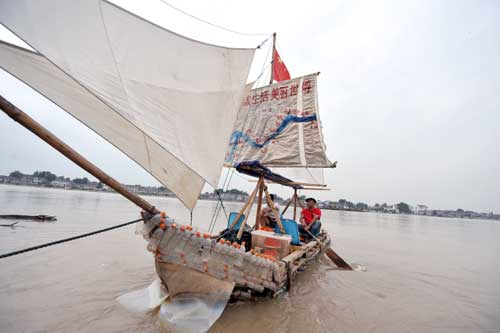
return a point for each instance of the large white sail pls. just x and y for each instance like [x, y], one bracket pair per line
[167, 101]
[279, 126]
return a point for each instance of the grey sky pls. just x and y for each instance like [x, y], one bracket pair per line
[408, 95]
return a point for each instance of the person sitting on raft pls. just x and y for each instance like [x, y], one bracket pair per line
[310, 219]
[267, 217]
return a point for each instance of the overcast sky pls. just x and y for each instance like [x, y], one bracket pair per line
[408, 95]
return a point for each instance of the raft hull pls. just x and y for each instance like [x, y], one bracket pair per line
[189, 264]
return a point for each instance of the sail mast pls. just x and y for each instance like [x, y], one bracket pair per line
[272, 61]
[33, 126]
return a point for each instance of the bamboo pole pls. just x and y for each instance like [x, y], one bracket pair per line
[37, 129]
[276, 213]
[287, 205]
[308, 184]
[242, 210]
[295, 204]
[259, 202]
[247, 213]
[299, 202]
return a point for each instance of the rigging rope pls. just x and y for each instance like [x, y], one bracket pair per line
[5, 255]
[230, 173]
[212, 24]
[222, 204]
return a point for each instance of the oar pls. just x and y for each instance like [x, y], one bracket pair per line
[337, 260]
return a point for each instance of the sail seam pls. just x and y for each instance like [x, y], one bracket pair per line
[147, 152]
[320, 125]
[115, 63]
[100, 100]
[112, 108]
[300, 106]
[95, 131]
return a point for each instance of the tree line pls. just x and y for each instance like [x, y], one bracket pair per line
[49, 177]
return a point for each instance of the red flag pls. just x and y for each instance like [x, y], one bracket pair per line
[280, 72]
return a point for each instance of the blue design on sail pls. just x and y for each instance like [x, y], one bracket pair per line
[237, 135]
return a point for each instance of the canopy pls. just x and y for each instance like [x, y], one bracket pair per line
[256, 169]
[166, 101]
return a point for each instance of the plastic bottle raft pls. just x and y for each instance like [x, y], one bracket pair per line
[254, 274]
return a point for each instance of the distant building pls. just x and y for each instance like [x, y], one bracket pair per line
[421, 209]
[31, 180]
[61, 184]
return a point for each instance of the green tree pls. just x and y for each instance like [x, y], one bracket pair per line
[100, 185]
[47, 175]
[361, 206]
[404, 208]
[236, 191]
[83, 180]
[16, 174]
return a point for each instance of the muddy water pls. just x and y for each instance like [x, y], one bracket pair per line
[423, 274]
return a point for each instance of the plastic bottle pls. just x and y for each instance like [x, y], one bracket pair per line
[155, 240]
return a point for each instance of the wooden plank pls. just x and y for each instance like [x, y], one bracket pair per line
[300, 253]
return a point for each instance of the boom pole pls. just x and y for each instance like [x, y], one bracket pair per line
[33, 126]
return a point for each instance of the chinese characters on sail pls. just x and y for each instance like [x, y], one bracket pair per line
[278, 93]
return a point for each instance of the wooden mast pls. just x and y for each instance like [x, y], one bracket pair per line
[272, 61]
[33, 126]
[259, 203]
[295, 204]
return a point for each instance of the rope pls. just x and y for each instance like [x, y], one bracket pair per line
[222, 204]
[210, 23]
[10, 254]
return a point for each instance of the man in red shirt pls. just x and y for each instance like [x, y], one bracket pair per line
[310, 219]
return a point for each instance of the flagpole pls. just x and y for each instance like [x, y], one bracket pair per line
[272, 61]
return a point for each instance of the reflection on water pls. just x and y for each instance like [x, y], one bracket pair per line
[415, 274]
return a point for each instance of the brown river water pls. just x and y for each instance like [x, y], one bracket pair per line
[423, 274]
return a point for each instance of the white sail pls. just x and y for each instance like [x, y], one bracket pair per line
[167, 101]
[279, 126]
[303, 175]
